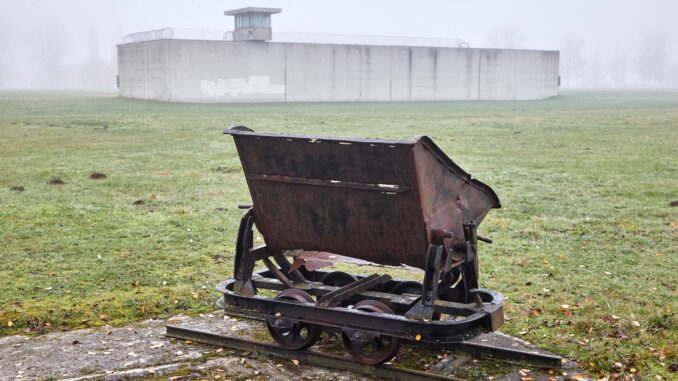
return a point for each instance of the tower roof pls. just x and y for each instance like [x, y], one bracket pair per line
[241, 11]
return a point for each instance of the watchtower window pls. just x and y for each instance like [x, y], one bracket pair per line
[253, 20]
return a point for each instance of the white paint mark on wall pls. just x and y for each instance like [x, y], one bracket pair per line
[254, 84]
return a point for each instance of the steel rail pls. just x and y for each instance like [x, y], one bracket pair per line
[306, 357]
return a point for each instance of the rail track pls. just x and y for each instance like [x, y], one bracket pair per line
[489, 346]
[305, 356]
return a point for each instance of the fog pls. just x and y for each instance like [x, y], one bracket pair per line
[70, 44]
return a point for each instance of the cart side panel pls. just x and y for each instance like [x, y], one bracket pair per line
[366, 224]
[350, 197]
[448, 194]
[350, 160]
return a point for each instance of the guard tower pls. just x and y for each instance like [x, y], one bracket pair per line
[252, 23]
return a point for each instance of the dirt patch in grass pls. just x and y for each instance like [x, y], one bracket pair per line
[97, 176]
[56, 181]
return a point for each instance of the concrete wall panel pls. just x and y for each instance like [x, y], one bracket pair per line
[143, 70]
[216, 71]
[375, 73]
[518, 74]
[226, 71]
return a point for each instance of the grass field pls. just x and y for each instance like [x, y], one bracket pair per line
[586, 244]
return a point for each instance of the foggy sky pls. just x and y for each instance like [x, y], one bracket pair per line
[604, 43]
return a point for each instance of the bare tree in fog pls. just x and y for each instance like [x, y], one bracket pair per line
[4, 51]
[652, 64]
[96, 72]
[596, 76]
[49, 52]
[506, 37]
[619, 65]
[571, 61]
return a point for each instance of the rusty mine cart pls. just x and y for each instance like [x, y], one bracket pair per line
[388, 202]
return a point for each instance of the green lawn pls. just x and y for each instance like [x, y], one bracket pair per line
[586, 244]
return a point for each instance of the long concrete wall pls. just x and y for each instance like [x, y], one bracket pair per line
[227, 71]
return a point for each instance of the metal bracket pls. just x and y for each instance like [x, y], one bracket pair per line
[429, 293]
[337, 296]
[286, 266]
[244, 265]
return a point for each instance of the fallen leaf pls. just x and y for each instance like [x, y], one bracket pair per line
[619, 333]
[102, 317]
[295, 361]
[635, 324]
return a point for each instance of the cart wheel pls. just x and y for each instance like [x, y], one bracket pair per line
[407, 287]
[370, 348]
[337, 279]
[290, 333]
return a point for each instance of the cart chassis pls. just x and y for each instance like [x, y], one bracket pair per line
[414, 318]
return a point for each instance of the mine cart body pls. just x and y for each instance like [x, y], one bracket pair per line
[377, 200]
[383, 201]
